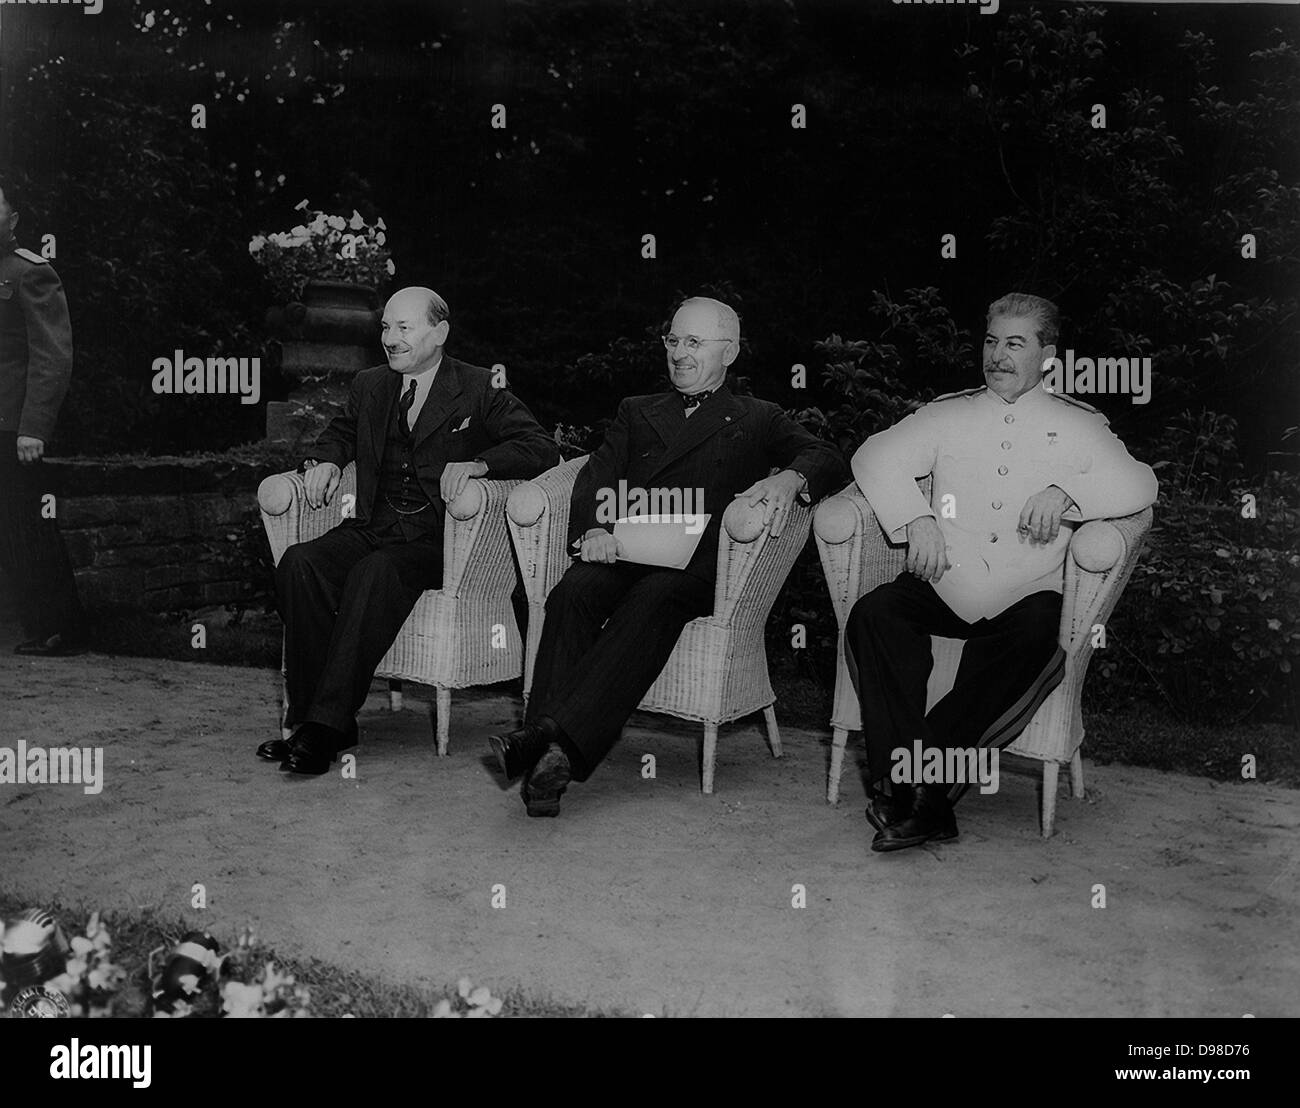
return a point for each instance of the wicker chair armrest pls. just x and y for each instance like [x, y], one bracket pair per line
[752, 563]
[1101, 559]
[287, 516]
[475, 539]
[537, 514]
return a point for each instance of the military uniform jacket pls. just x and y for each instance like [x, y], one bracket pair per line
[987, 458]
[463, 418]
[726, 445]
[35, 344]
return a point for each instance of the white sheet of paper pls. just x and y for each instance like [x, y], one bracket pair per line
[660, 540]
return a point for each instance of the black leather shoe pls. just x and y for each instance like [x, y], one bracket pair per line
[548, 780]
[278, 750]
[274, 750]
[882, 809]
[56, 646]
[930, 818]
[314, 747]
[518, 751]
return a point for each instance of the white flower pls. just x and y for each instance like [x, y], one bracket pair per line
[381, 224]
[390, 267]
[317, 225]
[464, 987]
[479, 997]
[82, 946]
[442, 1010]
[301, 206]
[337, 222]
[242, 1001]
[380, 238]
[356, 222]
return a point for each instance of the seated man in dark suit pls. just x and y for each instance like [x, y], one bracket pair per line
[611, 624]
[418, 429]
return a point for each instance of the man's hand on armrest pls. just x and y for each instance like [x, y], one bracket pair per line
[456, 476]
[1040, 518]
[598, 545]
[927, 555]
[776, 494]
[320, 481]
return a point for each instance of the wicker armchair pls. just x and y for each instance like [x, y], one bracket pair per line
[856, 557]
[718, 670]
[460, 635]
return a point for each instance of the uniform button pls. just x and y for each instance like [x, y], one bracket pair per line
[1008, 419]
[997, 507]
[993, 537]
[1006, 444]
[406, 465]
[1002, 471]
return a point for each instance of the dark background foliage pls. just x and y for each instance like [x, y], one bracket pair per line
[672, 118]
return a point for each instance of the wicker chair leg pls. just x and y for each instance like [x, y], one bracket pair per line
[443, 720]
[839, 738]
[285, 730]
[708, 757]
[1076, 775]
[395, 694]
[773, 735]
[1049, 797]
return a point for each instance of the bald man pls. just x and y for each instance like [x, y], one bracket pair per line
[611, 624]
[418, 429]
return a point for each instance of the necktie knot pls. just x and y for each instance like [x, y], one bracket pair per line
[694, 400]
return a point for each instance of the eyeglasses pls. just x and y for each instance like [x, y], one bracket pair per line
[691, 342]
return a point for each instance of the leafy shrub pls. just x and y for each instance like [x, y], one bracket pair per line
[1210, 622]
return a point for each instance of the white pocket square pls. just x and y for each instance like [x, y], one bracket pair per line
[462, 426]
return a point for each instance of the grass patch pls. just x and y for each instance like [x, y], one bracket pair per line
[234, 637]
[335, 991]
[1143, 735]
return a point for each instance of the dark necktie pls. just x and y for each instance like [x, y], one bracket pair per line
[404, 408]
[689, 402]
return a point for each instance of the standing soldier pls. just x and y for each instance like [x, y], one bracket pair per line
[35, 367]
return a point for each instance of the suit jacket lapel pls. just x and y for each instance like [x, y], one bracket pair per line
[375, 416]
[440, 401]
[713, 414]
[665, 416]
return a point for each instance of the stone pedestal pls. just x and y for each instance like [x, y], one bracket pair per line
[324, 339]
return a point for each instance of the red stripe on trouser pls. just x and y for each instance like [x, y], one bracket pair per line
[1008, 726]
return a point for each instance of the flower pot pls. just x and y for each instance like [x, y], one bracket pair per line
[340, 294]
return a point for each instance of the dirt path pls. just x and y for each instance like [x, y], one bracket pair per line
[646, 895]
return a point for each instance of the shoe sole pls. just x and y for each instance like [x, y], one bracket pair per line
[545, 787]
[543, 805]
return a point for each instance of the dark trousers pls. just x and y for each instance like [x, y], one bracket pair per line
[1009, 664]
[609, 630]
[343, 598]
[32, 553]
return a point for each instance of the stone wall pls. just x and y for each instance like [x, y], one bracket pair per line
[163, 534]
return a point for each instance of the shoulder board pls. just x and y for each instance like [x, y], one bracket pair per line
[955, 395]
[23, 252]
[1068, 399]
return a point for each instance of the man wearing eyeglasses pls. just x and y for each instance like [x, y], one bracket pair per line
[611, 624]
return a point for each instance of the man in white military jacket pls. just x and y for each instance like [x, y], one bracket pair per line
[1015, 468]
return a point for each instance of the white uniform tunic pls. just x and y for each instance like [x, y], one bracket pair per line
[988, 457]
